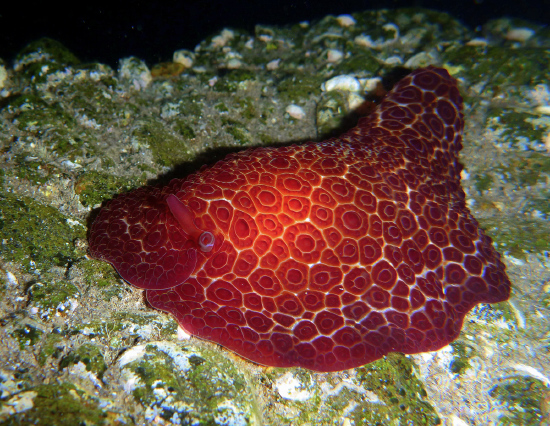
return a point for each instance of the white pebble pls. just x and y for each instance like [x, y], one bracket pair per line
[370, 84]
[136, 71]
[519, 34]
[334, 55]
[477, 42]
[295, 111]
[131, 355]
[183, 57]
[364, 41]
[273, 65]
[543, 109]
[355, 100]
[18, 403]
[393, 61]
[12, 279]
[345, 20]
[222, 39]
[70, 165]
[213, 81]
[234, 63]
[3, 76]
[346, 83]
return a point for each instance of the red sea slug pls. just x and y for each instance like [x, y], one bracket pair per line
[321, 255]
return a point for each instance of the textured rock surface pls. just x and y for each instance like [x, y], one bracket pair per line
[77, 340]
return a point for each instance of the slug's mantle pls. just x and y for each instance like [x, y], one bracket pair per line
[321, 255]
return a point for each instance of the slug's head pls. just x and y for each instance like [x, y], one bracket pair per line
[203, 239]
[149, 238]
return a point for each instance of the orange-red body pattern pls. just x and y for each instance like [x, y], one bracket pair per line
[324, 255]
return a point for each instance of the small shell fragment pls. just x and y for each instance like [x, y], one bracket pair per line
[184, 57]
[334, 55]
[519, 34]
[234, 63]
[295, 111]
[222, 39]
[477, 42]
[543, 109]
[355, 100]
[12, 279]
[273, 65]
[3, 76]
[345, 20]
[347, 83]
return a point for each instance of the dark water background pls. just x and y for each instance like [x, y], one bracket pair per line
[106, 31]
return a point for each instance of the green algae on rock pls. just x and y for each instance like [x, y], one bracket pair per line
[37, 236]
[61, 404]
[523, 396]
[194, 385]
[93, 187]
[50, 294]
[387, 391]
[43, 57]
[90, 355]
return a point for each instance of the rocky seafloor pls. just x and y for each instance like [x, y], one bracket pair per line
[78, 346]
